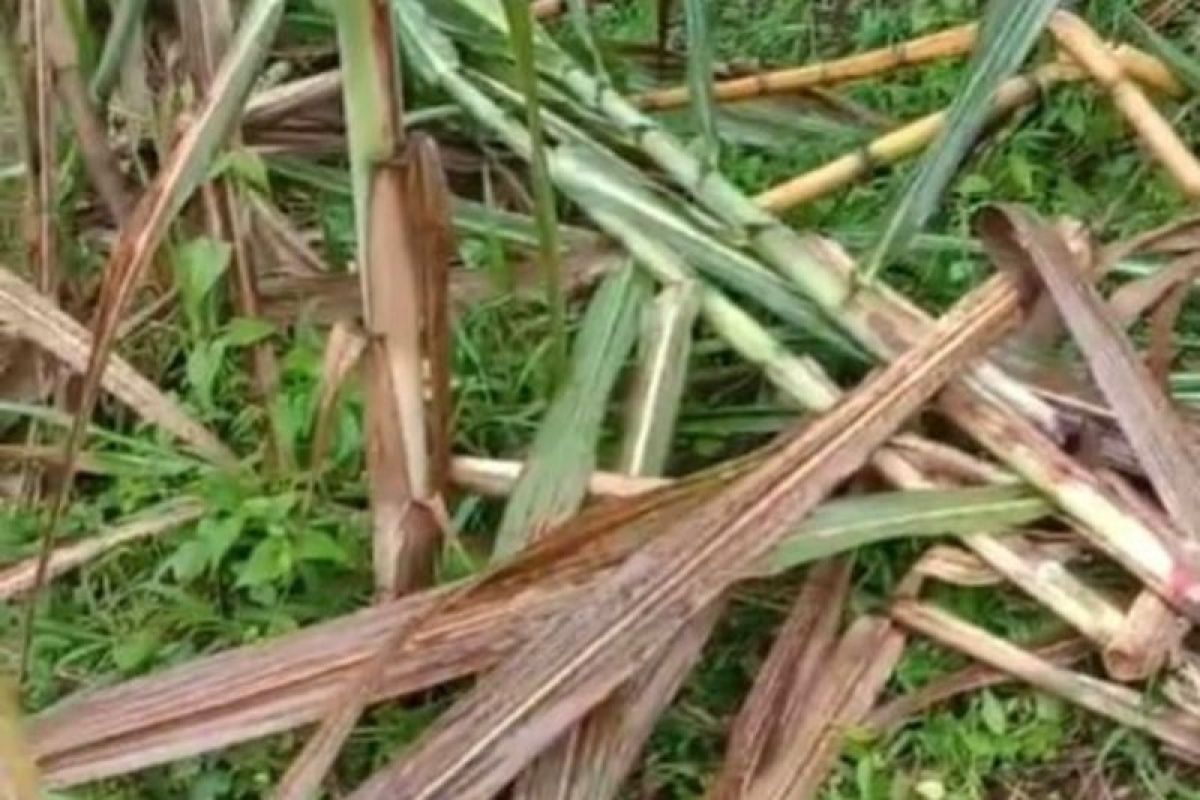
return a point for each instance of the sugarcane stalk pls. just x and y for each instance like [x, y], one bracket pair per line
[1078, 39]
[948, 43]
[905, 141]
[943, 44]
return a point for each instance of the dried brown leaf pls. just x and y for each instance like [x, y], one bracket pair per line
[343, 349]
[1020, 242]
[34, 317]
[544, 688]
[806, 638]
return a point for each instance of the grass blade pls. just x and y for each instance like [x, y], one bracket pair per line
[126, 18]
[1009, 32]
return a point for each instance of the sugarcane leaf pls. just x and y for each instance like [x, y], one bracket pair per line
[554, 482]
[700, 74]
[1009, 32]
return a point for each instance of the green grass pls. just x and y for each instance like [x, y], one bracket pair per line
[265, 562]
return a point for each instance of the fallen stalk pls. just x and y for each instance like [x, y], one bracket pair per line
[905, 141]
[254, 691]
[1124, 706]
[1085, 47]
[943, 44]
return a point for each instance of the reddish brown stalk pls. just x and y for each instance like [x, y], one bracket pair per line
[43, 145]
[807, 637]
[407, 469]
[544, 688]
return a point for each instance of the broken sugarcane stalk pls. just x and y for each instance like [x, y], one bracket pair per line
[904, 141]
[943, 44]
[915, 136]
[513, 713]
[988, 404]
[1020, 242]
[1087, 49]
[1177, 729]
[404, 249]
[947, 43]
